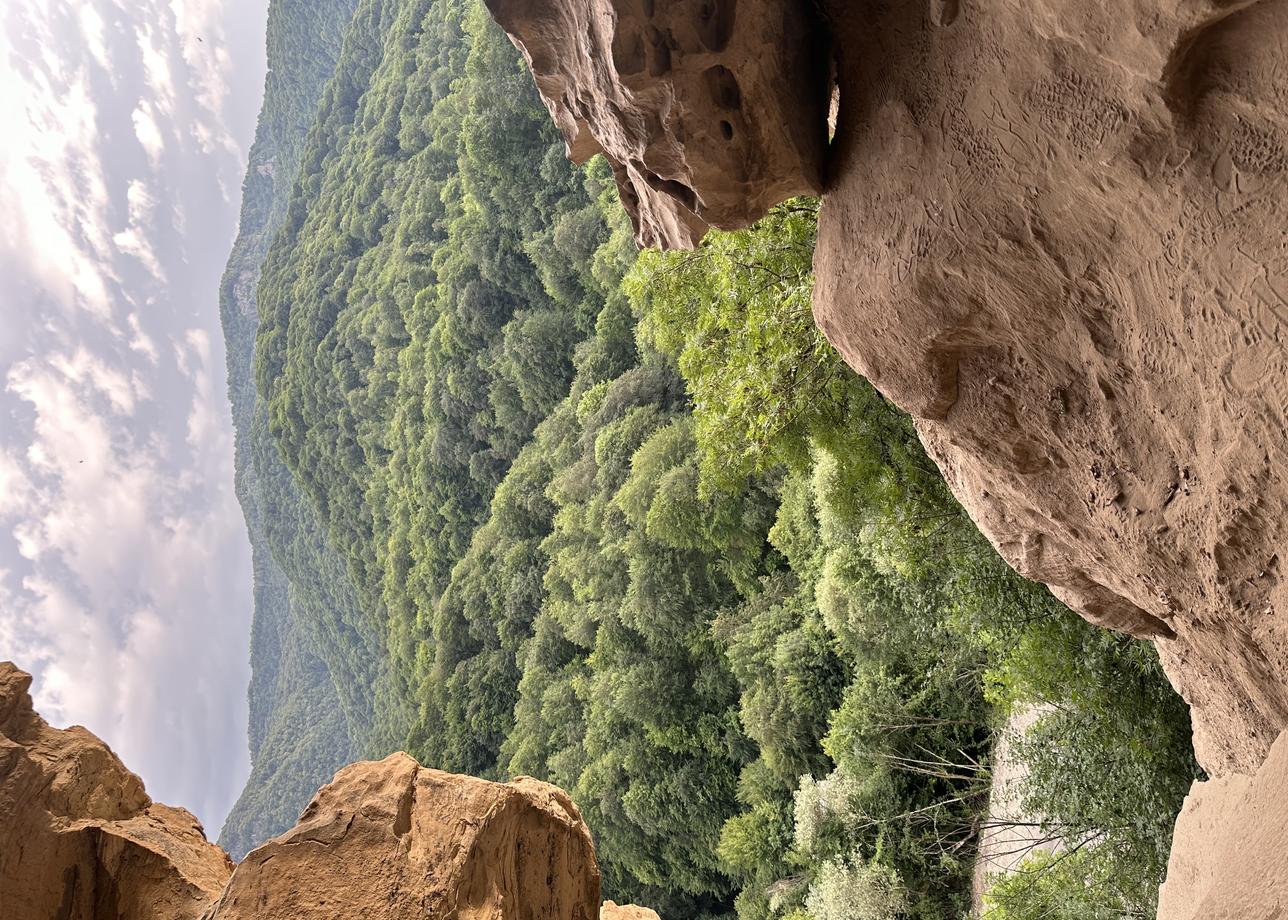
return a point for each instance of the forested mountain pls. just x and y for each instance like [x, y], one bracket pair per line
[304, 723]
[627, 523]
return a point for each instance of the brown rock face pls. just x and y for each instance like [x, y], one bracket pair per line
[79, 837]
[1228, 857]
[392, 839]
[711, 111]
[81, 840]
[1057, 234]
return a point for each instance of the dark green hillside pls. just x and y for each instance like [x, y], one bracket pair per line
[408, 345]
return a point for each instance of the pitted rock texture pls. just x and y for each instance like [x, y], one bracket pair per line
[1228, 857]
[79, 837]
[711, 111]
[1057, 234]
[390, 839]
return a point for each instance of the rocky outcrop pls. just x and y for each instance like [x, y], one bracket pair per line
[79, 837]
[1055, 233]
[391, 839]
[711, 111]
[81, 840]
[1228, 856]
[611, 910]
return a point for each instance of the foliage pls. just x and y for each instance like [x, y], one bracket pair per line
[1082, 885]
[896, 587]
[736, 313]
[408, 346]
[1109, 762]
[855, 891]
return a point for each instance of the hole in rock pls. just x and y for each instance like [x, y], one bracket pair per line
[628, 53]
[677, 190]
[660, 61]
[723, 87]
[715, 23]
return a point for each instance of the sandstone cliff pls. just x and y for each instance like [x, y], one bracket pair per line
[1054, 232]
[709, 111]
[79, 837]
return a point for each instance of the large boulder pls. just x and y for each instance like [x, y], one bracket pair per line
[389, 840]
[1228, 857]
[79, 837]
[1055, 232]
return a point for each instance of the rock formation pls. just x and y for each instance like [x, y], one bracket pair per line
[79, 837]
[1228, 856]
[614, 911]
[387, 840]
[390, 840]
[1054, 232]
[1062, 248]
[709, 110]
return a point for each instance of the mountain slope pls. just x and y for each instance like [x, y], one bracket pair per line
[302, 728]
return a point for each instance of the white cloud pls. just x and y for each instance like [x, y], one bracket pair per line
[199, 25]
[124, 570]
[92, 29]
[17, 493]
[135, 239]
[156, 70]
[94, 376]
[29, 536]
[52, 190]
[147, 132]
[140, 341]
[134, 243]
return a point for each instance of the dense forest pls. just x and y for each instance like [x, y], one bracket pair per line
[527, 500]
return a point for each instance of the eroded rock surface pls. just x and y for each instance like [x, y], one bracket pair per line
[1057, 234]
[79, 837]
[1228, 858]
[711, 111]
[392, 839]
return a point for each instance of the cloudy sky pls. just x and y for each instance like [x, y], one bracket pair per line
[124, 567]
